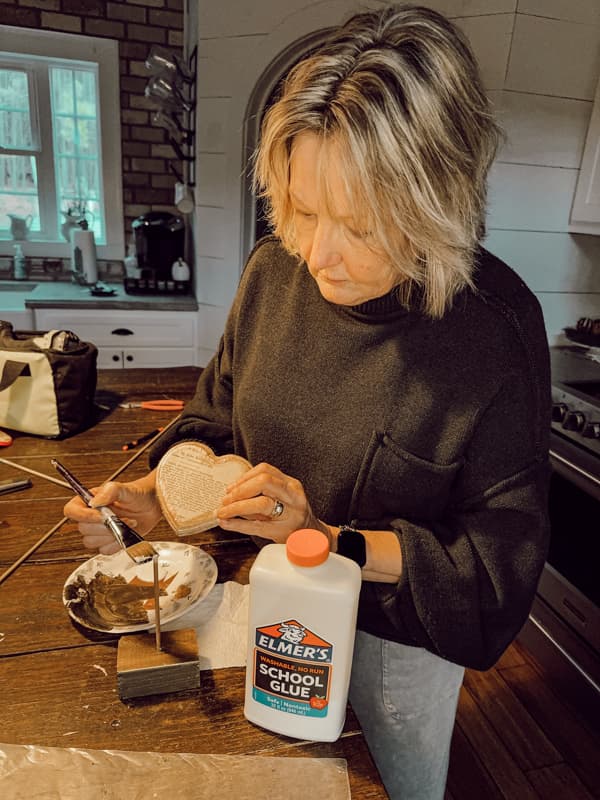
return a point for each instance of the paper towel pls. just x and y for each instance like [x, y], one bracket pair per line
[221, 623]
[83, 255]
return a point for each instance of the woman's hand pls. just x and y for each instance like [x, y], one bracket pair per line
[134, 502]
[249, 504]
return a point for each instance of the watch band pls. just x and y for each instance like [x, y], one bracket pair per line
[351, 544]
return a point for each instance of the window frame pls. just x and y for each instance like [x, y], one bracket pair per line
[105, 53]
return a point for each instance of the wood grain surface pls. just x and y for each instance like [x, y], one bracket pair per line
[60, 680]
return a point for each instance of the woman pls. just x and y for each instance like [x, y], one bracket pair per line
[383, 371]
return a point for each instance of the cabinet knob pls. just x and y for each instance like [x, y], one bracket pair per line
[122, 332]
[116, 358]
[592, 430]
[128, 358]
[559, 412]
[574, 421]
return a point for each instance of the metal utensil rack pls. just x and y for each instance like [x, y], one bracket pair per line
[185, 151]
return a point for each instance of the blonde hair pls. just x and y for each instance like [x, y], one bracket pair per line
[398, 92]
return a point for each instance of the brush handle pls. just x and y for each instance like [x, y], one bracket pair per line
[124, 535]
[77, 487]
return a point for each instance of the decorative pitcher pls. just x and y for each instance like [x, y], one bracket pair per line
[19, 226]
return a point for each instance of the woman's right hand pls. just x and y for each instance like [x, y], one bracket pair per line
[134, 502]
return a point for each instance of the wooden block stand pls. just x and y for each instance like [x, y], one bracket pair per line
[143, 670]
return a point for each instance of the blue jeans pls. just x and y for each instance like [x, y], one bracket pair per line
[405, 699]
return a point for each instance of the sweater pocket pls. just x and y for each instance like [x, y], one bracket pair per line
[393, 482]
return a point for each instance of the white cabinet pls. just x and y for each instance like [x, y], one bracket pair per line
[129, 338]
[21, 320]
[585, 212]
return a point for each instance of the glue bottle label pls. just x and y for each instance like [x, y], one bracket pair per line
[292, 669]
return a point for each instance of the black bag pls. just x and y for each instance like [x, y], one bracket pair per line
[47, 381]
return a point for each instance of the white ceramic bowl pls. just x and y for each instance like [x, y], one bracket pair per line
[113, 594]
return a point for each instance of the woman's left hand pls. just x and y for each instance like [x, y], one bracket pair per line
[252, 503]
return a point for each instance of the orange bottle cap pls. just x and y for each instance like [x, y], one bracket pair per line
[307, 547]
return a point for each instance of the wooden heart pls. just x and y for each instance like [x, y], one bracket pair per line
[190, 483]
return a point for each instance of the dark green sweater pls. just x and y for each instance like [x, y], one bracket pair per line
[437, 429]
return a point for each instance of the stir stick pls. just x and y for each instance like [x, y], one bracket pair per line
[59, 524]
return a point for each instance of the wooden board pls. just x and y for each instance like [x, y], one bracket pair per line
[144, 670]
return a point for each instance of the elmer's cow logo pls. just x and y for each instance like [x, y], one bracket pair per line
[292, 632]
[292, 639]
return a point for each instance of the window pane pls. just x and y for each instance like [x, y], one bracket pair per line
[90, 182]
[62, 91]
[85, 93]
[77, 144]
[18, 190]
[67, 180]
[87, 137]
[89, 179]
[15, 120]
[64, 141]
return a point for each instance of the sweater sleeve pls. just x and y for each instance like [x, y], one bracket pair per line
[469, 576]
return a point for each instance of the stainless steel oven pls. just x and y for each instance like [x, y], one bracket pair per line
[563, 630]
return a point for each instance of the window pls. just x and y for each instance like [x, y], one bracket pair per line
[60, 154]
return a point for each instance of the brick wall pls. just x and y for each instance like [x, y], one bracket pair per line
[136, 25]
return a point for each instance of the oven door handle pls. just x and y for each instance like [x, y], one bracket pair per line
[570, 465]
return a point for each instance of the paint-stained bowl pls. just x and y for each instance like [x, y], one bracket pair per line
[113, 594]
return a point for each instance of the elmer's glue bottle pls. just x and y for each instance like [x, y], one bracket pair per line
[302, 621]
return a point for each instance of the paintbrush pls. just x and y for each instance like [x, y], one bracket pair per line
[43, 539]
[137, 548]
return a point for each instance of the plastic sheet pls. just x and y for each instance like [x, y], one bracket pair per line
[29, 772]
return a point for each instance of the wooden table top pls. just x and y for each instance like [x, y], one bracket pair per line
[59, 680]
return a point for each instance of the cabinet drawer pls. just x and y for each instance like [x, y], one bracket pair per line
[122, 330]
[131, 357]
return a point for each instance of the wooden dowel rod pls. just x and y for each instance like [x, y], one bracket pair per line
[31, 550]
[59, 524]
[142, 449]
[156, 600]
[35, 472]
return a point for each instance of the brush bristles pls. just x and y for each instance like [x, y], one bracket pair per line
[141, 552]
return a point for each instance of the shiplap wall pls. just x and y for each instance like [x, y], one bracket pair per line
[553, 67]
[540, 61]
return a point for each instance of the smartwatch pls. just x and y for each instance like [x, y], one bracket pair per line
[351, 544]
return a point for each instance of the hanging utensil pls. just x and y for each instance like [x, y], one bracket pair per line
[165, 62]
[166, 94]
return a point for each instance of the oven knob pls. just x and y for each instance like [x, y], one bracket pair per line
[559, 412]
[574, 421]
[592, 430]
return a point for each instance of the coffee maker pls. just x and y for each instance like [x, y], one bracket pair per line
[159, 241]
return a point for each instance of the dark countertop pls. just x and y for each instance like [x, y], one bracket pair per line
[20, 295]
